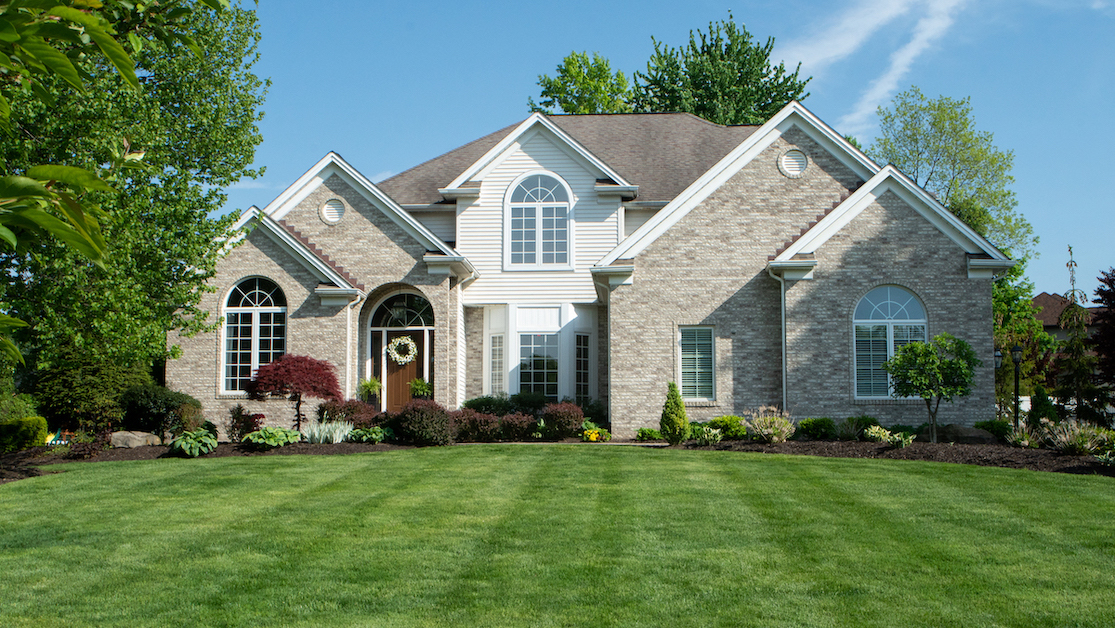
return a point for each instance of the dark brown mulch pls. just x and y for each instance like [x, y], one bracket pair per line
[23, 464]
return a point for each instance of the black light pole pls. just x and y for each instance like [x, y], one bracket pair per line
[1016, 357]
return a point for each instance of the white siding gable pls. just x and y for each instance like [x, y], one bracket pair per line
[480, 226]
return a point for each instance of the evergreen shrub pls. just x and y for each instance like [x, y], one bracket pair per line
[731, 427]
[821, 428]
[674, 424]
[22, 433]
[497, 405]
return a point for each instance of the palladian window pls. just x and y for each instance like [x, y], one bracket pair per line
[538, 224]
[886, 318]
[255, 330]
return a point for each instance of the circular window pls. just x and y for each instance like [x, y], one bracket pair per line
[332, 211]
[793, 162]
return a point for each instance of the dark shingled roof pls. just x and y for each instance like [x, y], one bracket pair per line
[662, 153]
[1051, 307]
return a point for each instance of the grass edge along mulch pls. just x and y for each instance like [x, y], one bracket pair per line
[555, 535]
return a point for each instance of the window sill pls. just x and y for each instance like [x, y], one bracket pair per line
[701, 403]
[526, 269]
[886, 401]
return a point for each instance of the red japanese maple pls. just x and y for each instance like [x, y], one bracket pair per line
[293, 377]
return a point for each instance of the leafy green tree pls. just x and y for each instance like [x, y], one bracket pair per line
[674, 423]
[195, 119]
[1016, 323]
[584, 85]
[940, 370]
[937, 144]
[723, 76]
[1103, 338]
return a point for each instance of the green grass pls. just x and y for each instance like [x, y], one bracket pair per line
[560, 535]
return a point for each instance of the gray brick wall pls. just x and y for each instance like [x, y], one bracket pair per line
[474, 352]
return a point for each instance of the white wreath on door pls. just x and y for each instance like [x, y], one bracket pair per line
[401, 358]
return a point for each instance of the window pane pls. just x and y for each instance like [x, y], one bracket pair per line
[496, 365]
[697, 363]
[538, 364]
[582, 391]
[871, 352]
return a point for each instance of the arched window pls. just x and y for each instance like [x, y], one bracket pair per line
[255, 330]
[885, 319]
[404, 310]
[538, 228]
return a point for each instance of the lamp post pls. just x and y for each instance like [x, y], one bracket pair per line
[1016, 357]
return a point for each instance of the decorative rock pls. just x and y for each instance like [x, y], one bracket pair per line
[133, 439]
[953, 433]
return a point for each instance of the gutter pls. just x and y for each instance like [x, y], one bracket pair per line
[782, 302]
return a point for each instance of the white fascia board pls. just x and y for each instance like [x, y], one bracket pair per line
[793, 114]
[890, 179]
[523, 132]
[457, 265]
[795, 270]
[332, 164]
[987, 268]
[313, 263]
[613, 276]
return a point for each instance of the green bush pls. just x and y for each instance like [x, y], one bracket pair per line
[562, 420]
[152, 408]
[1001, 429]
[271, 437]
[822, 428]
[852, 428]
[193, 443]
[424, 423]
[22, 433]
[13, 406]
[731, 427]
[594, 411]
[1041, 408]
[374, 434]
[674, 424]
[647, 433]
[84, 391]
[495, 405]
[529, 402]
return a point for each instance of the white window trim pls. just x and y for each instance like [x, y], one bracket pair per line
[890, 324]
[255, 311]
[570, 228]
[712, 331]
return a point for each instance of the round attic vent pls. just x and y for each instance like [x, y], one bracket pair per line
[792, 163]
[332, 211]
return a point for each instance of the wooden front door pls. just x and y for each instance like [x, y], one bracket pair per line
[399, 375]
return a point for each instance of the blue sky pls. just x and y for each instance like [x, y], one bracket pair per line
[388, 85]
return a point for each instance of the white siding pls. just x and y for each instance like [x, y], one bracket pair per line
[635, 218]
[480, 226]
[442, 223]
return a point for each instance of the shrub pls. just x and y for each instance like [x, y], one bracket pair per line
[358, 413]
[674, 424]
[771, 426]
[159, 410]
[424, 423]
[1072, 437]
[852, 428]
[295, 377]
[562, 420]
[895, 439]
[241, 423]
[1001, 429]
[371, 435]
[529, 402]
[193, 443]
[1041, 408]
[822, 428]
[22, 433]
[594, 411]
[13, 406]
[84, 389]
[731, 427]
[470, 426]
[705, 434]
[271, 437]
[497, 405]
[328, 432]
[647, 433]
[518, 426]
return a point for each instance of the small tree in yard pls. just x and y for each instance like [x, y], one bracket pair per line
[295, 376]
[940, 370]
[674, 424]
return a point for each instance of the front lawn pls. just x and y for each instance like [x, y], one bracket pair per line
[555, 535]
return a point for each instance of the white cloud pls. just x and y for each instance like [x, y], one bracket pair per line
[380, 176]
[839, 38]
[931, 27]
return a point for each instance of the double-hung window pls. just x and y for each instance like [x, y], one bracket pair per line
[697, 363]
[886, 318]
[255, 330]
[538, 364]
[538, 226]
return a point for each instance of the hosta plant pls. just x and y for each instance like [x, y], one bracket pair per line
[271, 437]
[328, 432]
[705, 434]
[882, 435]
[876, 434]
[647, 434]
[194, 443]
[371, 435]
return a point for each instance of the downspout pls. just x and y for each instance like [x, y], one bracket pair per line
[348, 349]
[782, 304]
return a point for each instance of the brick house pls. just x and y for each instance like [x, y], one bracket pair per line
[603, 256]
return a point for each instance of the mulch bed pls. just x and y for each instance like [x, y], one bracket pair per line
[24, 464]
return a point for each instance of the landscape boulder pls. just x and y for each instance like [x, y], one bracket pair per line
[129, 440]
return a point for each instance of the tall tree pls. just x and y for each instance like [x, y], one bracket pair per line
[723, 76]
[1103, 339]
[196, 120]
[1076, 390]
[1016, 323]
[937, 144]
[584, 85]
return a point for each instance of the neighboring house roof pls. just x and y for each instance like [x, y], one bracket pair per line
[1051, 306]
[660, 153]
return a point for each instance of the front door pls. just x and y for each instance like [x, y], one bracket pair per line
[400, 347]
[400, 375]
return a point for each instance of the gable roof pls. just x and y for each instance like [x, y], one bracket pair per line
[661, 153]
[299, 247]
[1051, 307]
[792, 115]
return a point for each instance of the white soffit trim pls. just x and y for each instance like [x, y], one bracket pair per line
[890, 179]
[792, 115]
[332, 164]
[294, 246]
[521, 134]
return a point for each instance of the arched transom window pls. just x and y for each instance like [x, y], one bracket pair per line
[538, 226]
[886, 318]
[255, 330]
[404, 310]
